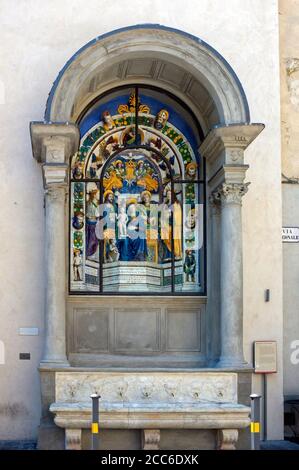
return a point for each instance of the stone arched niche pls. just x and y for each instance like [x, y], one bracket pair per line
[167, 58]
[197, 75]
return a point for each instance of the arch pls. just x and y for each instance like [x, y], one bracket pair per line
[150, 54]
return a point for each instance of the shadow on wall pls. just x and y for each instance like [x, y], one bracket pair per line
[2, 353]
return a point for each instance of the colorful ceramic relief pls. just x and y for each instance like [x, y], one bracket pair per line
[129, 228]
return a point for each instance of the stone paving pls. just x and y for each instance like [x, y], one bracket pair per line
[18, 445]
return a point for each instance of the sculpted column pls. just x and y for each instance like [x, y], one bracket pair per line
[52, 145]
[223, 149]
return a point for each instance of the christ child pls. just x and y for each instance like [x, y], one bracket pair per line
[122, 220]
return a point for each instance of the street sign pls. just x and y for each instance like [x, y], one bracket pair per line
[290, 234]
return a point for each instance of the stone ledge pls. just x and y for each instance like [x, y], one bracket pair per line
[44, 367]
[153, 416]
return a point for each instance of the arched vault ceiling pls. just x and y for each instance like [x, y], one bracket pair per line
[151, 55]
[160, 73]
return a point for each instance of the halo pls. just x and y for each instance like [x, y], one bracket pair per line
[130, 201]
[107, 192]
[163, 110]
[191, 165]
[146, 192]
[128, 129]
[93, 191]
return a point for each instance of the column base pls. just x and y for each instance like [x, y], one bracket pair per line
[232, 363]
[46, 363]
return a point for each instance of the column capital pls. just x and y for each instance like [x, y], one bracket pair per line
[56, 192]
[55, 175]
[231, 193]
[215, 202]
[54, 143]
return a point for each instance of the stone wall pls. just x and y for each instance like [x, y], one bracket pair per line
[289, 72]
[36, 45]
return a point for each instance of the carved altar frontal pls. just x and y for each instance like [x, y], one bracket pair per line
[147, 387]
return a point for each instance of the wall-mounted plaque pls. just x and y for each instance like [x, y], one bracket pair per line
[24, 356]
[265, 357]
[31, 331]
[290, 234]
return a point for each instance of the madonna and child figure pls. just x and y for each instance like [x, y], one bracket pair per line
[130, 182]
[135, 230]
[129, 223]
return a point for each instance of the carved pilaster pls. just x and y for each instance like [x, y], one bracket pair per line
[231, 272]
[223, 149]
[150, 439]
[73, 439]
[52, 145]
[227, 439]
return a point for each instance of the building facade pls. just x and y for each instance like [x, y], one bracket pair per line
[289, 146]
[168, 120]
